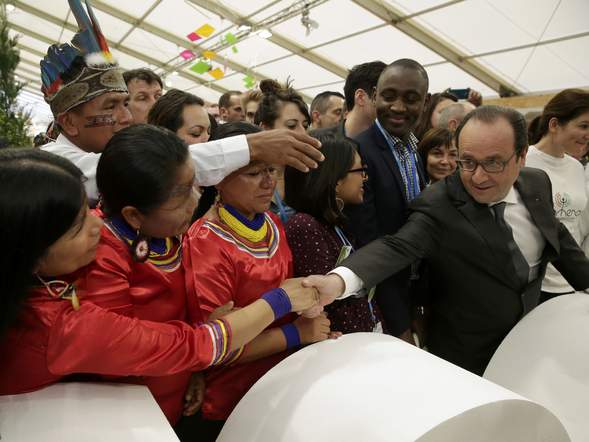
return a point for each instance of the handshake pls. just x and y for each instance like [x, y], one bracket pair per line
[309, 295]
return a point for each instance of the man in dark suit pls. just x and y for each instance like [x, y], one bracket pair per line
[487, 233]
[395, 177]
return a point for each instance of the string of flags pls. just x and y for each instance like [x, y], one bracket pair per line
[204, 64]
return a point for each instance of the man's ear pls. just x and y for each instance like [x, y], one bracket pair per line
[133, 217]
[68, 123]
[315, 117]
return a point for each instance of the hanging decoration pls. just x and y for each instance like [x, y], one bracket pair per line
[201, 67]
[187, 54]
[203, 32]
[249, 82]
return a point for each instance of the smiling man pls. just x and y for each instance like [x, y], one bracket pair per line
[487, 233]
[395, 176]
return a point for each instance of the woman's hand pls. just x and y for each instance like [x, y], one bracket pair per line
[313, 329]
[195, 394]
[219, 312]
[301, 298]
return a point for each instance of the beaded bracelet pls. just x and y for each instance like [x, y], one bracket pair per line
[279, 302]
[291, 333]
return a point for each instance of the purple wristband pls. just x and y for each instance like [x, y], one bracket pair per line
[291, 333]
[279, 301]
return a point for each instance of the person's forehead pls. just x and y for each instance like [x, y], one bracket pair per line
[335, 102]
[402, 78]
[138, 85]
[235, 100]
[104, 98]
[481, 136]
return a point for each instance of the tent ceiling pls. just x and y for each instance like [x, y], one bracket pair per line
[491, 45]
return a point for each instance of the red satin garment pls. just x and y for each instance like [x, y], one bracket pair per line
[141, 290]
[223, 272]
[52, 340]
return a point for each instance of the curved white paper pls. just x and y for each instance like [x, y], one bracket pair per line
[372, 387]
[546, 358]
[84, 412]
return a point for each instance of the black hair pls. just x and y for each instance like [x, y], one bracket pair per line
[273, 97]
[408, 63]
[41, 196]
[138, 168]
[490, 114]
[167, 110]
[425, 121]
[564, 106]
[144, 74]
[226, 130]
[225, 99]
[314, 192]
[362, 76]
[321, 101]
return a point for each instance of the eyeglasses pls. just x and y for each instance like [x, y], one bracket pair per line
[362, 170]
[490, 166]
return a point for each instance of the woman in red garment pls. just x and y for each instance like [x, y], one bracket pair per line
[242, 251]
[49, 331]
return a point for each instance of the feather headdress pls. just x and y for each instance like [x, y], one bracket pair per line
[77, 64]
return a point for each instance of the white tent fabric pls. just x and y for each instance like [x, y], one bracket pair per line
[513, 45]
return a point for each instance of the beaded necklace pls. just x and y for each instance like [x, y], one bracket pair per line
[254, 230]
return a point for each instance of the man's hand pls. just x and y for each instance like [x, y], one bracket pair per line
[475, 98]
[329, 287]
[301, 298]
[285, 147]
[195, 394]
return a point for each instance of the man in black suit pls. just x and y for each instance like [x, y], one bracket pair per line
[487, 233]
[395, 177]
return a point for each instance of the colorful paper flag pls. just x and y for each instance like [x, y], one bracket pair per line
[217, 73]
[193, 36]
[249, 81]
[209, 54]
[230, 38]
[234, 49]
[205, 30]
[187, 54]
[200, 67]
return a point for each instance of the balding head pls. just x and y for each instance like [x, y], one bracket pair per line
[453, 115]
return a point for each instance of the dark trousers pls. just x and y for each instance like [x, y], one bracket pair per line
[197, 429]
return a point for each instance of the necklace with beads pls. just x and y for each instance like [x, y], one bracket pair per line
[254, 230]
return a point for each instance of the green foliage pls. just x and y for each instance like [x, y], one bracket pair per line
[14, 122]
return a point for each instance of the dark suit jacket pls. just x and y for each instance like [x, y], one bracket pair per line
[383, 212]
[475, 295]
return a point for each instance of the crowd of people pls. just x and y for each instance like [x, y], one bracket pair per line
[155, 241]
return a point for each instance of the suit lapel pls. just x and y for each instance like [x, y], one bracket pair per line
[388, 157]
[536, 205]
[481, 218]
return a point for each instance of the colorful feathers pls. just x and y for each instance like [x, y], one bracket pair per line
[89, 39]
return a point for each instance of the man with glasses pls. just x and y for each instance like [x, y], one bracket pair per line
[487, 232]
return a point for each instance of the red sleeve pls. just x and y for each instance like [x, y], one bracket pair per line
[95, 340]
[214, 276]
[309, 246]
[106, 282]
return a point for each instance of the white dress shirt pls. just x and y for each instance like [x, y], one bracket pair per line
[525, 233]
[213, 161]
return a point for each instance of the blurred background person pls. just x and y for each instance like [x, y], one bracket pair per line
[230, 107]
[327, 109]
[439, 154]
[145, 87]
[250, 102]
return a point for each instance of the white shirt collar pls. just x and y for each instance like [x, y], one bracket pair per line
[510, 198]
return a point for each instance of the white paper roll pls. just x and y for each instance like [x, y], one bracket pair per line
[84, 412]
[372, 387]
[546, 358]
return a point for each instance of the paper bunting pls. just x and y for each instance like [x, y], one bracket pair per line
[230, 38]
[187, 54]
[205, 30]
[249, 81]
[209, 54]
[234, 49]
[200, 67]
[217, 73]
[193, 36]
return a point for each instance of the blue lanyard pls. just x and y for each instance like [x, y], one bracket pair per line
[343, 238]
[414, 190]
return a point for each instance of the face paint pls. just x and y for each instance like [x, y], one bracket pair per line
[99, 121]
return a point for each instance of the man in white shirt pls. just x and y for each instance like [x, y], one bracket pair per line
[89, 103]
[487, 234]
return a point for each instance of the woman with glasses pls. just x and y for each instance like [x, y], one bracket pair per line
[241, 251]
[560, 140]
[316, 233]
